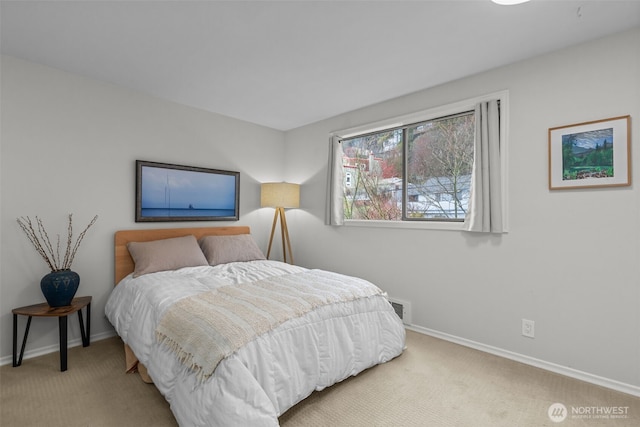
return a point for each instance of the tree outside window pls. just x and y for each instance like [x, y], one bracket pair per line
[416, 172]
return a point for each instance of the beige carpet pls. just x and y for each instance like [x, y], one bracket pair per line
[434, 383]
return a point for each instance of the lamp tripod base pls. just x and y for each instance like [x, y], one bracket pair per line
[286, 243]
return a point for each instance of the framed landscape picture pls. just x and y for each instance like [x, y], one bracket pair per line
[590, 154]
[167, 192]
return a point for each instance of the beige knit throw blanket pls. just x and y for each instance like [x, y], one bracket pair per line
[204, 329]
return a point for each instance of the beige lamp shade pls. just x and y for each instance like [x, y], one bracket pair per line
[279, 195]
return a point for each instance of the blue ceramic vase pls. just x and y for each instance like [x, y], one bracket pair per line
[59, 287]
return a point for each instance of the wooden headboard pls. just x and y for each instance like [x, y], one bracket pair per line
[123, 261]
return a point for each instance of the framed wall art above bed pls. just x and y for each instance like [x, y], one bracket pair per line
[168, 192]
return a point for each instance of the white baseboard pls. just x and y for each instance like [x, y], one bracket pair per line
[558, 369]
[28, 354]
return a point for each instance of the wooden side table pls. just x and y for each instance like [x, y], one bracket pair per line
[43, 310]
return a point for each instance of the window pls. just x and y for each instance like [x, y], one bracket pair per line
[416, 170]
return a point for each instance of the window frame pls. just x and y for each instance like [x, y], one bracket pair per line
[424, 116]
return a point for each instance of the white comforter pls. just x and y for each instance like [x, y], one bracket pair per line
[259, 382]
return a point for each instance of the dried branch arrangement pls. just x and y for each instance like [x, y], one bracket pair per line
[38, 236]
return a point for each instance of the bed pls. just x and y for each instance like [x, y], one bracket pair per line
[230, 338]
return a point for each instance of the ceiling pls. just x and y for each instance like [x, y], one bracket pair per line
[284, 64]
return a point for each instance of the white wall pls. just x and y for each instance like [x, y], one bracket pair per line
[69, 145]
[571, 259]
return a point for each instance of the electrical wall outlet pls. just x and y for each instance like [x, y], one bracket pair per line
[528, 328]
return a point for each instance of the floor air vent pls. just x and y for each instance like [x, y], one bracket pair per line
[402, 309]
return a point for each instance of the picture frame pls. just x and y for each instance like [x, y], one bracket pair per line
[167, 192]
[590, 154]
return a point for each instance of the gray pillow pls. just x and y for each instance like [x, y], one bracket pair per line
[165, 254]
[235, 248]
